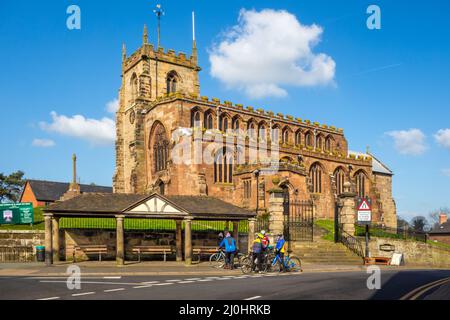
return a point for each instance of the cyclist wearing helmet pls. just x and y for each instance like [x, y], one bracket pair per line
[265, 240]
[257, 249]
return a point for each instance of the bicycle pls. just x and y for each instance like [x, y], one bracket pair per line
[217, 260]
[248, 264]
[290, 263]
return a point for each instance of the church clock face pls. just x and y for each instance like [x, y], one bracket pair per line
[132, 117]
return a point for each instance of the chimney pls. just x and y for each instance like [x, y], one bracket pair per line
[442, 218]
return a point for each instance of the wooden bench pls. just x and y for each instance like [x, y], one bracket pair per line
[377, 260]
[153, 250]
[204, 250]
[91, 249]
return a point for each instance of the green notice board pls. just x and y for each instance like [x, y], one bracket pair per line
[16, 213]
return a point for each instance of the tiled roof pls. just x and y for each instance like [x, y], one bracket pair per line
[442, 228]
[377, 165]
[52, 191]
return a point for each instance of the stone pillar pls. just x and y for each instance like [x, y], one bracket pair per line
[187, 241]
[120, 246]
[276, 210]
[56, 239]
[48, 239]
[236, 233]
[251, 233]
[179, 240]
[348, 210]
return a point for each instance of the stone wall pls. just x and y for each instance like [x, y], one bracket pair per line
[21, 238]
[415, 253]
[71, 237]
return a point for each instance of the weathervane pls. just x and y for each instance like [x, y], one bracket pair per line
[159, 12]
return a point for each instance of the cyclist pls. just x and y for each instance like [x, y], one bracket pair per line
[257, 249]
[281, 250]
[265, 240]
[230, 249]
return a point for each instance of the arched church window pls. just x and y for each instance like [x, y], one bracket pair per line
[134, 86]
[315, 176]
[235, 123]
[328, 144]
[223, 123]
[208, 120]
[160, 148]
[309, 139]
[251, 130]
[275, 134]
[285, 136]
[262, 132]
[223, 167]
[195, 119]
[319, 142]
[298, 138]
[339, 179]
[171, 82]
[361, 180]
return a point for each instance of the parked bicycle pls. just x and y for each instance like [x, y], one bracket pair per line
[248, 264]
[290, 263]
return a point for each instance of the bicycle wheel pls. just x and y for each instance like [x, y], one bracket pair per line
[294, 264]
[246, 265]
[217, 260]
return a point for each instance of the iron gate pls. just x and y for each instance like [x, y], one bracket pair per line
[298, 220]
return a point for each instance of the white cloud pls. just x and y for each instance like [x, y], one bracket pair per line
[409, 142]
[267, 51]
[112, 106]
[98, 132]
[43, 143]
[446, 172]
[443, 138]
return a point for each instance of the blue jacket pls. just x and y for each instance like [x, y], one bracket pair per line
[280, 244]
[229, 244]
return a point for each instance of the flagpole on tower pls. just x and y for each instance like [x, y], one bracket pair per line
[159, 12]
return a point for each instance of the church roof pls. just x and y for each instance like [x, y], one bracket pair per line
[109, 204]
[51, 191]
[377, 165]
[442, 228]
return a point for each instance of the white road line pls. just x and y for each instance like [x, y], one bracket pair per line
[114, 290]
[205, 280]
[149, 282]
[194, 279]
[114, 277]
[253, 298]
[93, 282]
[163, 284]
[51, 298]
[187, 281]
[174, 280]
[82, 294]
[140, 287]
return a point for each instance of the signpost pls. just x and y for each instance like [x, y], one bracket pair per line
[365, 218]
[16, 213]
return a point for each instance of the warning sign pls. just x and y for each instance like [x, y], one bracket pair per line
[364, 211]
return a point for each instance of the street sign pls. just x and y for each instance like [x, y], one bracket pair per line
[16, 213]
[364, 211]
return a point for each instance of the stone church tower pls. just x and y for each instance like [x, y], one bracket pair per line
[148, 75]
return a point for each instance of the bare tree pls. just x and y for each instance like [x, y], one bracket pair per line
[434, 215]
[420, 224]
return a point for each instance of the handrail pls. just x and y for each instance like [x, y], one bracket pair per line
[352, 243]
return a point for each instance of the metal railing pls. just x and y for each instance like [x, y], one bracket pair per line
[16, 254]
[394, 233]
[351, 242]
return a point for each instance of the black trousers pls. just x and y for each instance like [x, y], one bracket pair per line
[258, 257]
[229, 259]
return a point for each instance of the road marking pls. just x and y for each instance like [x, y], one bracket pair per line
[93, 282]
[163, 284]
[205, 280]
[140, 287]
[253, 298]
[174, 280]
[194, 279]
[416, 293]
[82, 294]
[186, 282]
[114, 290]
[118, 277]
[149, 282]
[51, 298]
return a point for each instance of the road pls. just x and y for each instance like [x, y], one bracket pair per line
[320, 285]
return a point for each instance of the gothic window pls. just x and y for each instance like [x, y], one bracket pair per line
[298, 138]
[195, 119]
[262, 132]
[160, 148]
[223, 123]
[251, 130]
[328, 144]
[208, 120]
[171, 82]
[285, 135]
[275, 134]
[361, 180]
[315, 176]
[235, 124]
[309, 139]
[223, 167]
[339, 179]
[247, 188]
[319, 142]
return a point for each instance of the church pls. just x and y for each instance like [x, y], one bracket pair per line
[160, 104]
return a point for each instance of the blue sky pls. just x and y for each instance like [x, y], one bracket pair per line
[389, 80]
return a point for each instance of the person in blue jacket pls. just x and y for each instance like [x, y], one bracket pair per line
[230, 249]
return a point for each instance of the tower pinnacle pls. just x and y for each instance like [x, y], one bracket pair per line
[145, 35]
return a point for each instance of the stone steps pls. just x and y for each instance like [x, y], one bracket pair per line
[325, 252]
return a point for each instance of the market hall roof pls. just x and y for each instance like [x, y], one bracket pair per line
[53, 191]
[154, 205]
